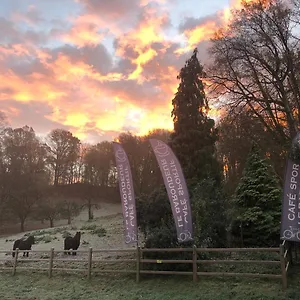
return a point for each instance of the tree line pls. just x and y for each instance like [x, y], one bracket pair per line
[234, 167]
[55, 177]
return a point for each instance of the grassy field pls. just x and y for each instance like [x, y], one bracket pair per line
[67, 287]
[106, 232]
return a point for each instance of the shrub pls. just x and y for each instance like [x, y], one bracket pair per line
[100, 231]
[66, 234]
[36, 233]
[165, 237]
[46, 239]
[89, 227]
[94, 229]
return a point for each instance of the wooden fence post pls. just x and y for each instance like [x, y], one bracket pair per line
[283, 271]
[15, 261]
[138, 261]
[90, 262]
[290, 252]
[51, 262]
[194, 263]
[141, 258]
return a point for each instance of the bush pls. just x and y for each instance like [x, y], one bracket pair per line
[36, 233]
[66, 234]
[165, 237]
[89, 227]
[51, 231]
[162, 237]
[47, 239]
[209, 207]
[94, 229]
[100, 231]
[153, 209]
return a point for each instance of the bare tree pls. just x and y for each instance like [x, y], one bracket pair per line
[98, 161]
[68, 200]
[49, 207]
[64, 150]
[256, 66]
[144, 167]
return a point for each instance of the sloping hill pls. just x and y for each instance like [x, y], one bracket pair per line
[105, 231]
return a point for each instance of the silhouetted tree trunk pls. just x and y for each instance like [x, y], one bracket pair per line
[22, 227]
[91, 216]
[56, 176]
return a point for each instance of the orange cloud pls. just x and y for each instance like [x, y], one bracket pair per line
[84, 31]
[199, 34]
[206, 31]
[15, 49]
[143, 58]
[81, 95]
[141, 39]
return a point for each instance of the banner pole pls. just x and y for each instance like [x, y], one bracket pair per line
[126, 193]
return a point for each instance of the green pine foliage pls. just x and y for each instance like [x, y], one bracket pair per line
[258, 203]
[194, 136]
[194, 143]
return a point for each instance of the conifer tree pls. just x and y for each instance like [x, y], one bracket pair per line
[257, 202]
[194, 136]
[193, 141]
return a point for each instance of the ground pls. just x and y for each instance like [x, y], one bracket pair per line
[108, 217]
[71, 287]
[106, 232]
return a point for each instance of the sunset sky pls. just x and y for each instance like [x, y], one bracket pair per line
[99, 67]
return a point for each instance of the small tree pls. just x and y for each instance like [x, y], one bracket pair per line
[257, 202]
[89, 196]
[48, 208]
[70, 209]
[69, 203]
[154, 211]
[209, 209]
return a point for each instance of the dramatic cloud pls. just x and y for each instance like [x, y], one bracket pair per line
[98, 68]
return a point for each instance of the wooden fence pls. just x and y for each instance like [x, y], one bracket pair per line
[283, 261]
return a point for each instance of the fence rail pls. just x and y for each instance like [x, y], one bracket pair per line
[284, 261]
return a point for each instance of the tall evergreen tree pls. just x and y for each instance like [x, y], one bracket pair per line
[194, 136]
[257, 202]
[193, 141]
